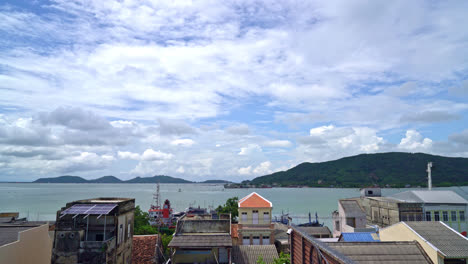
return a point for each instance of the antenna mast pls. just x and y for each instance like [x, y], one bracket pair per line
[156, 197]
[429, 178]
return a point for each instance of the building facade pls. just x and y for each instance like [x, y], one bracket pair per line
[255, 227]
[445, 206]
[442, 244]
[202, 239]
[95, 231]
[350, 217]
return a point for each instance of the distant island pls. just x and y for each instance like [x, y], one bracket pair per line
[113, 179]
[393, 169]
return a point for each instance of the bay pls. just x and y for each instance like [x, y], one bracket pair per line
[41, 201]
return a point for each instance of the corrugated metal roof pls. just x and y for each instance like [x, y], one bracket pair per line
[249, 254]
[360, 237]
[442, 237]
[201, 241]
[437, 197]
[316, 230]
[382, 252]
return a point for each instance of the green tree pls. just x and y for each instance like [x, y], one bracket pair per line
[230, 207]
[260, 260]
[283, 259]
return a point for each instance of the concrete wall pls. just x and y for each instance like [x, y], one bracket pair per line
[401, 232]
[360, 221]
[34, 246]
[249, 212]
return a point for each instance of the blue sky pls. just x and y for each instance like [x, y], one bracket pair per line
[226, 89]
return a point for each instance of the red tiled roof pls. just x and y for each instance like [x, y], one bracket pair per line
[234, 233]
[254, 200]
[144, 249]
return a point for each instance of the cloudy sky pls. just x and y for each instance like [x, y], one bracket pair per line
[226, 89]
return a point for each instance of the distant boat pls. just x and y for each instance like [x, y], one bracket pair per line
[180, 190]
[312, 223]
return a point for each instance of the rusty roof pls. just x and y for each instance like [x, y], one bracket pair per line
[254, 200]
[234, 230]
[144, 249]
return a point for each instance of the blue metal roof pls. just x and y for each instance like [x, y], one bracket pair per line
[360, 237]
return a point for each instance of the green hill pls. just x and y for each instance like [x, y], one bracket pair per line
[396, 169]
[106, 179]
[111, 179]
[62, 179]
[156, 179]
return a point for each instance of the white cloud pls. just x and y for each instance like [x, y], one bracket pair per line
[151, 154]
[128, 155]
[250, 149]
[277, 143]
[245, 170]
[263, 168]
[414, 141]
[183, 142]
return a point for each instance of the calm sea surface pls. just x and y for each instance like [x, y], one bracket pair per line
[40, 201]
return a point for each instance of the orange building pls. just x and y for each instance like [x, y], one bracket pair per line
[255, 227]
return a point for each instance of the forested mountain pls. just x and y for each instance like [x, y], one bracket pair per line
[112, 179]
[396, 169]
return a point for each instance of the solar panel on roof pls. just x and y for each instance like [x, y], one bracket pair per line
[96, 209]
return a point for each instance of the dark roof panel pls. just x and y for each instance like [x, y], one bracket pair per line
[249, 254]
[201, 241]
[449, 242]
[382, 252]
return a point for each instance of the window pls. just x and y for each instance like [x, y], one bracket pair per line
[255, 217]
[370, 192]
[244, 217]
[128, 231]
[245, 240]
[410, 217]
[351, 221]
[454, 216]
[445, 216]
[265, 240]
[120, 234]
[436, 216]
[428, 216]
[256, 240]
[266, 217]
[462, 216]
[337, 225]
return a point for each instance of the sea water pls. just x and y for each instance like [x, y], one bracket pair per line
[40, 201]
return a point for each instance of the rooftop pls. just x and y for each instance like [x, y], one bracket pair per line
[249, 254]
[351, 206]
[9, 233]
[426, 196]
[448, 241]
[315, 230]
[254, 200]
[201, 241]
[359, 237]
[144, 249]
[382, 252]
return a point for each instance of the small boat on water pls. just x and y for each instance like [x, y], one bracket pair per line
[312, 223]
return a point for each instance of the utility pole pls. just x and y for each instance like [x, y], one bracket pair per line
[429, 178]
